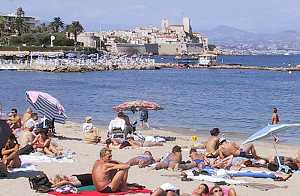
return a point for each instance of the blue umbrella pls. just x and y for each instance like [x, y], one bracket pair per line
[268, 130]
[47, 105]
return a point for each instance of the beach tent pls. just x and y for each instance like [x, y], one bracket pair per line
[5, 132]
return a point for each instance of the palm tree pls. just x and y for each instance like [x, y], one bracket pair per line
[56, 24]
[75, 28]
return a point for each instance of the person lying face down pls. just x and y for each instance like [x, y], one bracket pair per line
[227, 148]
[143, 160]
[75, 180]
[174, 158]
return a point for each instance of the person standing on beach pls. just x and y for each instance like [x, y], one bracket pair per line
[275, 117]
[144, 118]
[109, 176]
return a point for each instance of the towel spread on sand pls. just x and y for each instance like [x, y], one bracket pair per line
[92, 192]
[34, 158]
[213, 178]
[24, 167]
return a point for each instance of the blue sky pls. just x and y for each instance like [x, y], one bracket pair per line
[251, 15]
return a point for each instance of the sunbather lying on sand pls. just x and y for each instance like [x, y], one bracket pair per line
[288, 161]
[10, 153]
[172, 160]
[42, 143]
[230, 148]
[203, 190]
[75, 180]
[141, 143]
[109, 176]
[143, 160]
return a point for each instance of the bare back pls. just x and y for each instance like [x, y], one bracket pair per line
[229, 148]
[212, 144]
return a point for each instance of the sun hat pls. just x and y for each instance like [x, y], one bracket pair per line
[88, 118]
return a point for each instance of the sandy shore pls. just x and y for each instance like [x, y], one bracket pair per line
[86, 154]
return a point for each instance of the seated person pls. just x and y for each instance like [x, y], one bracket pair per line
[109, 176]
[172, 160]
[75, 180]
[42, 143]
[10, 153]
[26, 116]
[143, 160]
[90, 132]
[230, 148]
[142, 143]
[287, 161]
[212, 143]
[14, 120]
[27, 135]
[33, 121]
[117, 123]
[128, 126]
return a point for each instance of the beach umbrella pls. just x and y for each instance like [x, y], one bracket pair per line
[269, 130]
[5, 132]
[137, 104]
[47, 105]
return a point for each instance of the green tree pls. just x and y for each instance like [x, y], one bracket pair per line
[2, 26]
[20, 26]
[75, 28]
[56, 24]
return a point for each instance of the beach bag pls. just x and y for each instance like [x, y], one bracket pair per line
[26, 149]
[40, 183]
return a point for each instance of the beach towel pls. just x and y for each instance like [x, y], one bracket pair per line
[92, 192]
[38, 158]
[214, 179]
[24, 167]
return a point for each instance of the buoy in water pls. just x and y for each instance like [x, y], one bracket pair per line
[290, 72]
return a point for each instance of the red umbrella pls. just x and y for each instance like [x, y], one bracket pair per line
[137, 105]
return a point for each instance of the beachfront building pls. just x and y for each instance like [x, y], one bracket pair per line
[10, 18]
[170, 39]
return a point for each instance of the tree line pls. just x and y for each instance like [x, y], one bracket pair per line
[17, 30]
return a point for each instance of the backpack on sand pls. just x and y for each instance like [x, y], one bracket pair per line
[40, 183]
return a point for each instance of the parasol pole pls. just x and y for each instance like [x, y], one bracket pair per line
[280, 166]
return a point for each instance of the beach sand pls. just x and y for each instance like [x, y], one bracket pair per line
[86, 154]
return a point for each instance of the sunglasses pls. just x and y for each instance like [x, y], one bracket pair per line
[217, 190]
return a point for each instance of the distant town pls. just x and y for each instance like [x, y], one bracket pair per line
[18, 30]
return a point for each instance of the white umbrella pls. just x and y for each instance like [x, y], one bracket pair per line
[268, 130]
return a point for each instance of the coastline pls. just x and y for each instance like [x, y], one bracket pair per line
[155, 66]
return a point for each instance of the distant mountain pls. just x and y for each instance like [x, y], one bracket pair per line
[221, 33]
[225, 35]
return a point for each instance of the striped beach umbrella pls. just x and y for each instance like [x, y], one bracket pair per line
[47, 105]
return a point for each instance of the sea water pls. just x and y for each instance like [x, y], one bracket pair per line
[233, 100]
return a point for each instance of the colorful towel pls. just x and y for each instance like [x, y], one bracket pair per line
[96, 193]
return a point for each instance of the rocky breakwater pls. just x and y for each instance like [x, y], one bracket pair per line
[87, 68]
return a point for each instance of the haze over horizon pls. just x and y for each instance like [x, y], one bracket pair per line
[255, 16]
